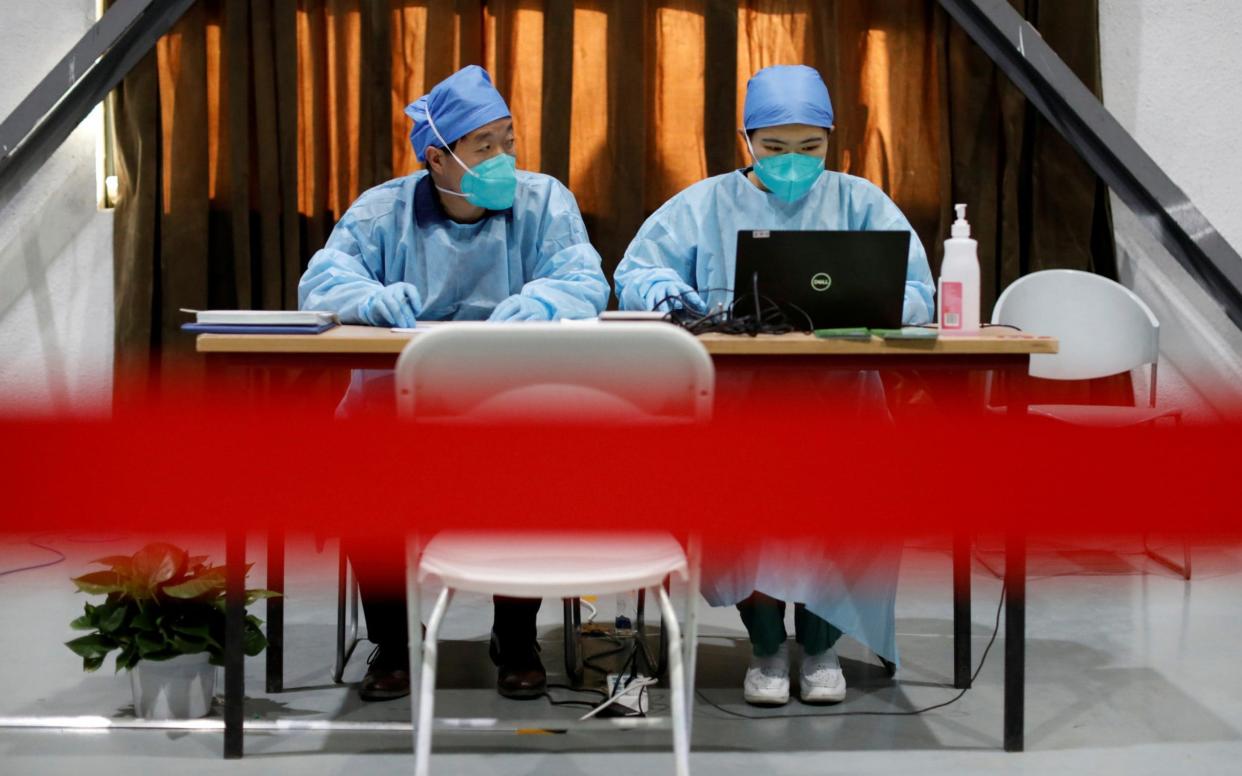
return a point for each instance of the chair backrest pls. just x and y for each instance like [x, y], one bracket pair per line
[1103, 328]
[619, 372]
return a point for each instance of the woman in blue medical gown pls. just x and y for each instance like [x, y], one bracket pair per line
[684, 256]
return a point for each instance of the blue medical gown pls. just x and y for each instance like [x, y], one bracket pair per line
[398, 231]
[692, 238]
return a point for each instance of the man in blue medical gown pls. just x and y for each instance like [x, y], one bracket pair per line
[469, 238]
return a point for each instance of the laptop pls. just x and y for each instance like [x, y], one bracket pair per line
[838, 279]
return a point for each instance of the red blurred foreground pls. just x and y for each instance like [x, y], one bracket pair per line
[789, 469]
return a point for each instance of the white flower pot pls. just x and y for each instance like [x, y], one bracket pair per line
[180, 688]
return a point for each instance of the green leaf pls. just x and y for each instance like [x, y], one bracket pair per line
[99, 583]
[201, 631]
[166, 654]
[189, 646]
[253, 640]
[112, 620]
[212, 582]
[128, 658]
[82, 623]
[147, 645]
[259, 595]
[223, 571]
[157, 563]
[122, 564]
[91, 646]
[143, 621]
[92, 663]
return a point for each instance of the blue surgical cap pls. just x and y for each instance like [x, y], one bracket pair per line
[787, 94]
[459, 104]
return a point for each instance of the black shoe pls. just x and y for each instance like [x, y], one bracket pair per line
[388, 674]
[520, 674]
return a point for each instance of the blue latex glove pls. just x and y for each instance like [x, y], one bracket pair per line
[657, 297]
[520, 308]
[398, 304]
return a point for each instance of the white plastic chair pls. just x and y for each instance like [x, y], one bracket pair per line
[1104, 329]
[625, 373]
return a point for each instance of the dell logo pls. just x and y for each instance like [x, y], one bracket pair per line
[821, 281]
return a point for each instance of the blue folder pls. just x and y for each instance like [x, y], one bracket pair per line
[225, 328]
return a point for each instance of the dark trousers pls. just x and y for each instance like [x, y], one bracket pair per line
[379, 565]
[764, 618]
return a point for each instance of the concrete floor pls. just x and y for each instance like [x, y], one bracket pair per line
[1130, 670]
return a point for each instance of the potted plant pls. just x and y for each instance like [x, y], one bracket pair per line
[164, 611]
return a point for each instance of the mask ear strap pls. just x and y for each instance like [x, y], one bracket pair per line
[749, 147]
[440, 137]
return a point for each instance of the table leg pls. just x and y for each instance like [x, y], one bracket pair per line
[961, 610]
[1017, 388]
[1017, 396]
[1015, 641]
[276, 611]
[234, 657]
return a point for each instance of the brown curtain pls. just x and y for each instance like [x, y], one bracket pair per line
[255, 123]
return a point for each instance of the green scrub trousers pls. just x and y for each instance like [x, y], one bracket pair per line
[764, 618]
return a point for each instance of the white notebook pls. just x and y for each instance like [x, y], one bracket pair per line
[263, 317]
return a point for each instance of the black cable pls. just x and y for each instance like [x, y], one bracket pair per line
[572, 702]
[629, 661]
[913, 712]
[769, 316]
[589, 662]
[685, 313]
[569, 688]
[586, 662]
[60, 558]
[729, 321]
[630, 665]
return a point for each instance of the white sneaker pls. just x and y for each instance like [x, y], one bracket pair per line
[821, 679]
[767, 679]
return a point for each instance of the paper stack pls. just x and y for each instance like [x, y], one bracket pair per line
[260, 321]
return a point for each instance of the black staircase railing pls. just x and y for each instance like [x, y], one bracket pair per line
[80, 80]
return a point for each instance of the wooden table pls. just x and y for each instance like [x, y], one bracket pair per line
[370, 346]
[999, 351]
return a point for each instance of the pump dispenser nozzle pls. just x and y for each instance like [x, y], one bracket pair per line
[961, 228]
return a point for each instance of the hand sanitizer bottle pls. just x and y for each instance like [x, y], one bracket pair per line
[958, 294]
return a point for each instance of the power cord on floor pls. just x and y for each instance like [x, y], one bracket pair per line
[910, 713]
[592, 706]
[617, 691]
[60, 556]
[571, 702]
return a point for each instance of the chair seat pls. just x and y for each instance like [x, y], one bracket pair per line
[551, 565]
[1102, 417]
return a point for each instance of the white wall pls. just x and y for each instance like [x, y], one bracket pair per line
[56, 307]
[1171, 75]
